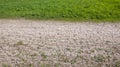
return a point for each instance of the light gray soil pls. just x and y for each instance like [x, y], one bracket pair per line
[27, 43]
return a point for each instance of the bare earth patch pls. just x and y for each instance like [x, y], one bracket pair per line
[27, 43]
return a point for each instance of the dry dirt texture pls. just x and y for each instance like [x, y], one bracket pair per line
[27, 43]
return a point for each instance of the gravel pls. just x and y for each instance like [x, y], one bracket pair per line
[30, 43]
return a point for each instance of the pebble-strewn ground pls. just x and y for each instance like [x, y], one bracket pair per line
[26, 43]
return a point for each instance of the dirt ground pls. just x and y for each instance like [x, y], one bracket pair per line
[28, 43]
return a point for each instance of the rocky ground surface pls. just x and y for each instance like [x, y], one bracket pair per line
[28, 43]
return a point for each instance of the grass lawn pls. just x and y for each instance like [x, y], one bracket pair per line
[74, 10]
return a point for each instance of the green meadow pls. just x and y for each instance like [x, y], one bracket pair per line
[72, 10]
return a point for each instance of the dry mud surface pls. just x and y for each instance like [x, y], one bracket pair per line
[27, 43]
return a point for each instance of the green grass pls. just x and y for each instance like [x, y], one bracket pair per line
[75, 10]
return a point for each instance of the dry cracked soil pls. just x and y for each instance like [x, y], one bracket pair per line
[28, 43]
